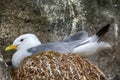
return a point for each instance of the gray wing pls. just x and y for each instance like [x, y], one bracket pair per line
[62, 47]
[67, 45]
[82, 35]
[55, 46]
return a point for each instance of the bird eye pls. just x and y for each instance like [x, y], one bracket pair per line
[22, 40]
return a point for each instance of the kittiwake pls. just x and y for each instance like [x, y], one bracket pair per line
[28, 44]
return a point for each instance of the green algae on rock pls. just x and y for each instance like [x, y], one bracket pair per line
[57, 66]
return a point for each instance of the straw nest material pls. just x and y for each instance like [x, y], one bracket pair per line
[56, 66]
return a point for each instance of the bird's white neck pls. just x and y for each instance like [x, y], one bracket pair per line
[18, 57]
[21, 53]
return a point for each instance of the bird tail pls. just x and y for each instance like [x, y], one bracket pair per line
[100, 33]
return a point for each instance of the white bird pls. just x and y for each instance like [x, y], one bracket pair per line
[28, 44]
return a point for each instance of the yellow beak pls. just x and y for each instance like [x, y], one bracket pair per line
[11, 47]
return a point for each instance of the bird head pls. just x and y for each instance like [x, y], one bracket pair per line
[24, 41]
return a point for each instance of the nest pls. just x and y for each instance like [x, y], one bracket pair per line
[55, 66]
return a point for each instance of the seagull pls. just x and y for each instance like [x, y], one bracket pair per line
[28, 44]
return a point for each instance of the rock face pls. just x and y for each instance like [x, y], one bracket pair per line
[4, 70]
[53, 20]
[57, 66]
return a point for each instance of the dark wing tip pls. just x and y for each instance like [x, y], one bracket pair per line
[107, 26]
[103, 30]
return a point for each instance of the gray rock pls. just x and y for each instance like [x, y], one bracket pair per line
[53, 20]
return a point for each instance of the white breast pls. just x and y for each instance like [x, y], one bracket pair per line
[18, 57]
